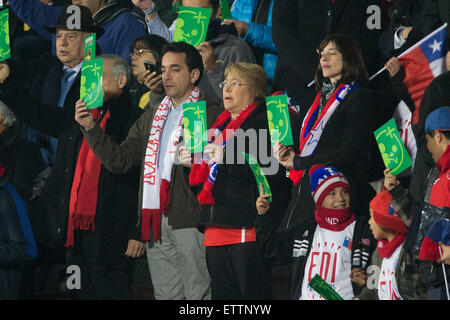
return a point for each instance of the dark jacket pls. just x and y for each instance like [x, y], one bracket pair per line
[298, 27]
[22, 161]
[235, 190]
[119, 158]
[17, 246]
[117, 194]
[344, 145]
[436, 95]
[295, 245]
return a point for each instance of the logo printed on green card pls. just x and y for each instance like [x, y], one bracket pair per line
[278, 118]
[91, 83]
[192, 25]
[393, 151]
[89, 47]
[194, 121]
[5, 50]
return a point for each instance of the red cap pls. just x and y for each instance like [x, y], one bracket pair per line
[384, 214]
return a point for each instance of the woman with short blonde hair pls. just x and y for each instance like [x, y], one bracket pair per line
[255, 75]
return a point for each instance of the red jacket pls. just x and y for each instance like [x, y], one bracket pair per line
[440, 193]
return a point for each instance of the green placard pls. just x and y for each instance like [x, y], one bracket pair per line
[194, 121]
[278, 117]
[192, 25]
[91, 83]
[324, 289]
[258, 173]
[89, 47]
[225, 9]
[393, 151]
[5, 50]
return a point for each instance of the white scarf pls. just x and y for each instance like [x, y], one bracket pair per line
[156, 188]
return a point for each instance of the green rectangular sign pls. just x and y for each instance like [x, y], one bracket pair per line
[258, 173]
[393, 151]
[5, 50]
[278, 117]
[91, 89]
[89, 47]
[194, 121]
[225, 9]
[192, 25]
[324, 289]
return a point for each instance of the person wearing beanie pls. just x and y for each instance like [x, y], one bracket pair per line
[391, 279]
[337, 245]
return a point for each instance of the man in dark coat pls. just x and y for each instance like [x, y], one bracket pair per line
[103, 249]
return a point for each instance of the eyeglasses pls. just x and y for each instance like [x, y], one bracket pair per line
[138, 52]
[233, 83]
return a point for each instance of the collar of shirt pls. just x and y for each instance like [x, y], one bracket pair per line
[77, 69]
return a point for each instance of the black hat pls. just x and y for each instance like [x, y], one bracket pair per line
[67, 21]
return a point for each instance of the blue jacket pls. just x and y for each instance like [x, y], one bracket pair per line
[119, 32]
[17, 245]
[258, 35]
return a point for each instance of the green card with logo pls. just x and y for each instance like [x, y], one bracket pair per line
[278, 117]
[91, 91]
[194, 121]
[393, 151]
[225, 9]
[324, 289]
[89, 47]
[258, 173]
[192, 25]
[5, 50]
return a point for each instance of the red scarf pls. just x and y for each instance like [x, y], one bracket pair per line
[206, 171]
[334, 219]
[84, 192]
[386, 248]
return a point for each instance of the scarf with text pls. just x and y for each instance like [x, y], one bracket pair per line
[334, 219]
[84, 191]
[206, 171]
[156, 188]
[312, 130]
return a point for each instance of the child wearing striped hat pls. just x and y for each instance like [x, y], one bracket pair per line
[337, 245]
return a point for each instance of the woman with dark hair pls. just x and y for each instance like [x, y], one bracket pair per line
[334, 131]
[146, 55]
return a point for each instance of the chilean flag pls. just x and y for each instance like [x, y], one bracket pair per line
[422, 63]
[439, 232]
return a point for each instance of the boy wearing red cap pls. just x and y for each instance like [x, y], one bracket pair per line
[336, 246]
[392, 278]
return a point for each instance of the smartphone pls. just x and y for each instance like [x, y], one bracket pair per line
[150, 66]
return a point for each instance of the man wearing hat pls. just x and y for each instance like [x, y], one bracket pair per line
[437, 128]
[121, 25]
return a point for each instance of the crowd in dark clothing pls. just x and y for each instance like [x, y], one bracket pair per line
[46, 143]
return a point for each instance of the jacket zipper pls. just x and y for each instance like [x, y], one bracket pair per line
[296, 199]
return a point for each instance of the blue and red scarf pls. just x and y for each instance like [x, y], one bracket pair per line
[312, 129]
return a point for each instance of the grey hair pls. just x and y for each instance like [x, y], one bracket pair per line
[8, 116]
[120, 66]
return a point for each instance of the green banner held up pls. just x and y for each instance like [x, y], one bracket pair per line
[5, 50]
[278, 117]
[192, 25]
[225, 9]
[258, 173]
[91, 91]
[393, 151]
[194, 121]
[89, 47]
[324, 289]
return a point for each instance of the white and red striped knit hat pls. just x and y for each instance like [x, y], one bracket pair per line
[323, 179]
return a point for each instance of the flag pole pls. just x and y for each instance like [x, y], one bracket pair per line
[413, 47]
[445, 274]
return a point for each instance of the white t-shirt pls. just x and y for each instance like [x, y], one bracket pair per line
[387, 285]
[330, 257]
